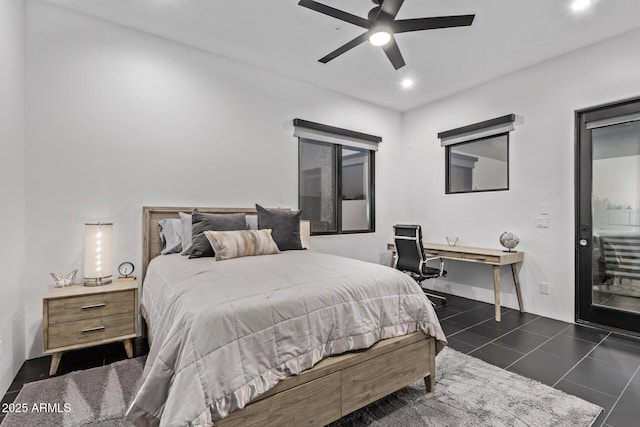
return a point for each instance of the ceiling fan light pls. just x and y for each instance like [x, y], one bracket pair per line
[579, 5]
[380, 38]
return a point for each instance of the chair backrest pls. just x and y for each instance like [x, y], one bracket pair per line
[408, 242]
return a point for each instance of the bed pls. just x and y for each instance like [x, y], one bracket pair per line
[190, 380]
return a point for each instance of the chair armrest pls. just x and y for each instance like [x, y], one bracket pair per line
[436, 258]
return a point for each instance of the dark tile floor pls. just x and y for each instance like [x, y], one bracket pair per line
[598, 366]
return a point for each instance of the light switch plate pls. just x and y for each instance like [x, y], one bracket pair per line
[544, 209]
[542, 222]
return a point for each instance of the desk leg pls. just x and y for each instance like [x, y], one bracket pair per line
[516, 281]
[496, 290]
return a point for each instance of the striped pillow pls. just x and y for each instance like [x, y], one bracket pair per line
[239, 243]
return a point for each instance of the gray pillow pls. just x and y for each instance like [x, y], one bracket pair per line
[201, 222]
[170, 235]
[186, 232]
[284, 225]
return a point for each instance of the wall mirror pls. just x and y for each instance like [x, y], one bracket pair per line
[478, 165]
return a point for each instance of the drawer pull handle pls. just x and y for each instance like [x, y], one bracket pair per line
[97, 328]
[93, 306]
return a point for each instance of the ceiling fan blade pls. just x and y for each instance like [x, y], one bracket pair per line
[391, 7]
[344, 48]
[434, 23]
[335, 13]
[393, 53]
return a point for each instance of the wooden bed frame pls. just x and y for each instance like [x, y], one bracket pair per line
[334, 387]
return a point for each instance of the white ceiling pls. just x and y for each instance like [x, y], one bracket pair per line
[279, 35]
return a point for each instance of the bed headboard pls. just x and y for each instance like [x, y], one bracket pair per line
[151, 215]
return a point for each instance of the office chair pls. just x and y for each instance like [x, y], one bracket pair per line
[411, 259]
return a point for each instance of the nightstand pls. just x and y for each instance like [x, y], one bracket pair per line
[80, 316]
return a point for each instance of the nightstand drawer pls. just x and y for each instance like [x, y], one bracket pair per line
[90, 306]
[96, 329]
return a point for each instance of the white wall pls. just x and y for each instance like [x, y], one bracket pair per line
[541, 170]
[12, 249]
[119, 119]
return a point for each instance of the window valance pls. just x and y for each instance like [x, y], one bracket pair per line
[334, 135]
[478, 130]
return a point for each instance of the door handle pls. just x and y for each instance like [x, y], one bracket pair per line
[583, 242]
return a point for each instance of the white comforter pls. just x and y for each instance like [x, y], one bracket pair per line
[224, 332]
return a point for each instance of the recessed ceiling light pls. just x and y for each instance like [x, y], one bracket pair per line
[579, 5]
[407, 83]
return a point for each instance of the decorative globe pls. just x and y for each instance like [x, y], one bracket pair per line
[509, 240]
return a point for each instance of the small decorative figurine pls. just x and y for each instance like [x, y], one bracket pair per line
[62, 281]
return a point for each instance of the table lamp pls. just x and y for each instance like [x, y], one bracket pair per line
[98, 250]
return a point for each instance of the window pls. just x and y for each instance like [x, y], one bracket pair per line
[336, 179]
[477, 156]
[478, 165]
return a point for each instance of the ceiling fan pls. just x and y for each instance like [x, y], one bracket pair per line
[381, 26]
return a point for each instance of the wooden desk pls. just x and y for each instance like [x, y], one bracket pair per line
[494, 257]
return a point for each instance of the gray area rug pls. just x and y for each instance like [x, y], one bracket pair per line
[94, 397]
[469, 392]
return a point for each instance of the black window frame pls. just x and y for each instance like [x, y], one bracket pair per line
[447, 165]
[338, 196]
[477, 132]
[339, 137]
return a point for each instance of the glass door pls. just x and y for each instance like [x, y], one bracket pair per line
[608, 214]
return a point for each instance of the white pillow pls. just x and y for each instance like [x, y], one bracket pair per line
[252, 222]
[187, 233]
[171, 231]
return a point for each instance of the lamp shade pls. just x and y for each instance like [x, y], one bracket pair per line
[98, 250]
